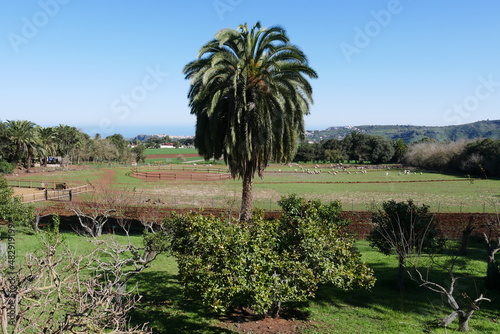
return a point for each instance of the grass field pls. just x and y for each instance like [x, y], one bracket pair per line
[151, 151]
[356, 191]
[379, 310]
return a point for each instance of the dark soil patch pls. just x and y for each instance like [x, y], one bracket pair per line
[292, 321]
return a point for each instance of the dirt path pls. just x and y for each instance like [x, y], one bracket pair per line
[104, 182]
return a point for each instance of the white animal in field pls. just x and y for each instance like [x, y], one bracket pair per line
[386, 173]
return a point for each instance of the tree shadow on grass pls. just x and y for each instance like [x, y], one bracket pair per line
[166, 311]
[385, 297]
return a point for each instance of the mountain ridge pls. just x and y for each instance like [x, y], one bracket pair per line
[411, 133]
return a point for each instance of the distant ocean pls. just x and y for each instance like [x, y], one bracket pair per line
[130, 131]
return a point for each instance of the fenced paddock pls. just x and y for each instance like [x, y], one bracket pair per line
[180, 176]
[36, 191]
[209, 169]
[36, 184]
[169, 173]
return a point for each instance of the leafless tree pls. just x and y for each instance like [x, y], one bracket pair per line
[492, 239]
[57, 291]
[403, 228]
[92, 216]
[401, 235]
[464, 242]
[462, 305]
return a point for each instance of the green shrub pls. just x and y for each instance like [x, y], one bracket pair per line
[11, 208]
[6, 168]
[404, 228]
[266, 262]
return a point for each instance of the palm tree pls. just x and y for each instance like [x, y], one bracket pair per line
[68, 138]
[249, 94]
[48, 145]
[24, 137]
[400, 149]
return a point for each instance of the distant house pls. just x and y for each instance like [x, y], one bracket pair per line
[167, 145]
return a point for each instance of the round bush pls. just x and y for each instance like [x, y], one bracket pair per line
[6, 168]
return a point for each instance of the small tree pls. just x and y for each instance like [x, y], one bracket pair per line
[492, 247]
[6, 167]
[92, 216]
[139, 152]
[464, 242]
[463, 306]
[403, 227]
[267, 262]
[54, 292]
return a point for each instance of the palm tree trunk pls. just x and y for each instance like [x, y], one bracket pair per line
[28, 163]
[246, 197]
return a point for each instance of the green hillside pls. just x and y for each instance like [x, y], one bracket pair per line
[411, 133]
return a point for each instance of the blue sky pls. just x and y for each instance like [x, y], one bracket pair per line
[115, 66]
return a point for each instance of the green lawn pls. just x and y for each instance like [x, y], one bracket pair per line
[380, 310]
[150, 151]
[70, 177]
[445, 193]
